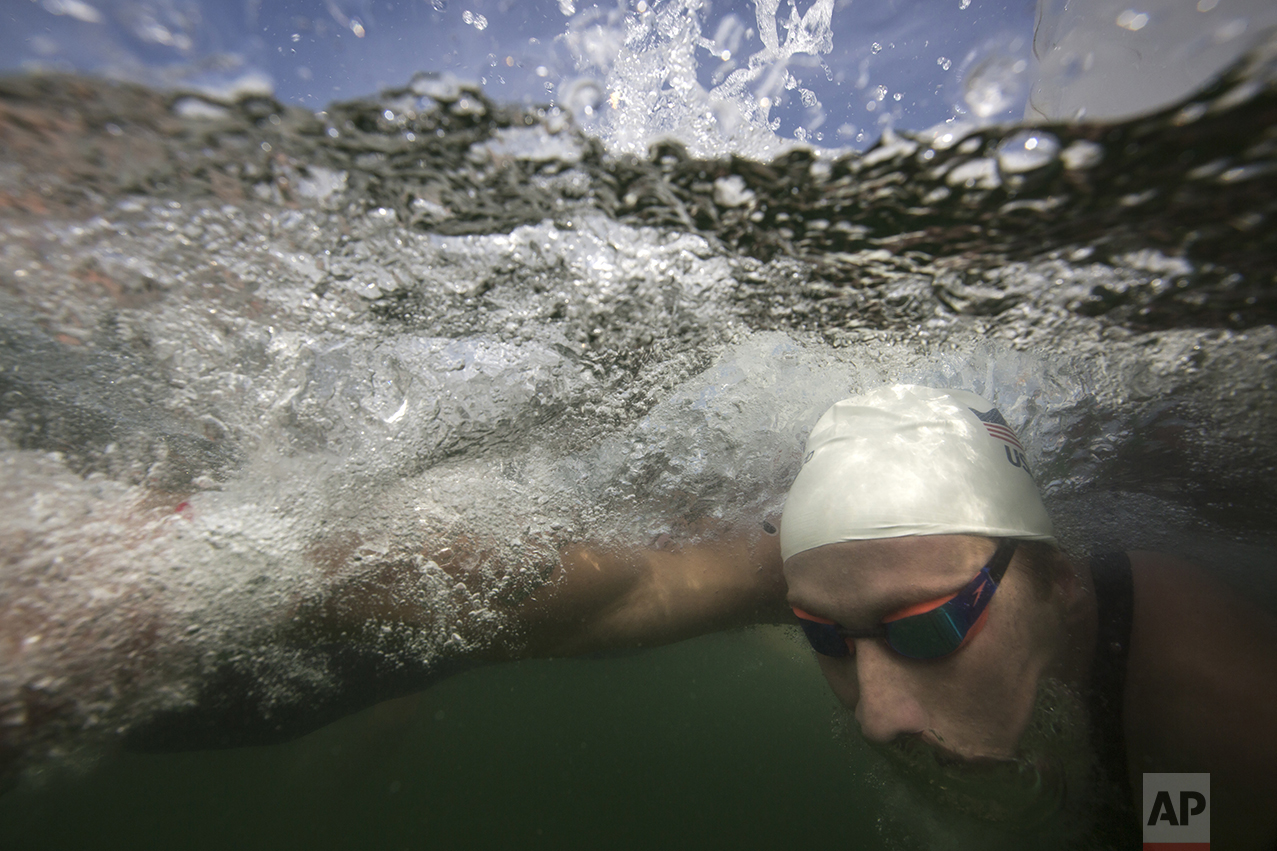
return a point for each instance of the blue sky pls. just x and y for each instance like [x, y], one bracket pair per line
[900, 62]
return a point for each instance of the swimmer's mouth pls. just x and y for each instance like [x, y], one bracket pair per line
[913, 744]
[1008, 790]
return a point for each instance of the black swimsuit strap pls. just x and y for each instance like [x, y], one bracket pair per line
[1115, 604]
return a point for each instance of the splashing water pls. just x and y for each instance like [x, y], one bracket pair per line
[250, 351]
[652, 77]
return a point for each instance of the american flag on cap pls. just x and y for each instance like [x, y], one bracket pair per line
[996, 425]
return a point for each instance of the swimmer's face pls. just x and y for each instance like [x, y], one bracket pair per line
[972, 705]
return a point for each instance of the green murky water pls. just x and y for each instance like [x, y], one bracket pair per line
[721, 742]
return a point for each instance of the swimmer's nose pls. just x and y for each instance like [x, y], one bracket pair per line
[886, 707]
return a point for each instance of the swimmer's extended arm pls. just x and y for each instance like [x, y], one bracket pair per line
[603, 599]
[391, 624]
[588, 598]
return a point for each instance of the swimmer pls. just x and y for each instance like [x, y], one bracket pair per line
[923, 568]
[916, 556]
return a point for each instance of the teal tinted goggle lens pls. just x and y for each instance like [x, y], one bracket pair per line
[939, 632]
[926, 635]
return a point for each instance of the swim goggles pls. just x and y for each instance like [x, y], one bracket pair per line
[924, 631]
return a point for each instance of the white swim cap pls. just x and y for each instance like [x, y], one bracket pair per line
[909, 460]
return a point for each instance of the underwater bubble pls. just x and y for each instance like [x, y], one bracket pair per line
[582, 95]
[382, 216]
[731, 191]
[979, 173]
[1132, 20]
[469, 106]
[74, 9]
[199, 109]
[443, 87]
[995, 85]
[1082, 154]
[946, 134]
[1026, 151]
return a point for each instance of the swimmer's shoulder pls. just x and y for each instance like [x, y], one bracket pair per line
[1201, 687]
[1191, 631]
[1177, 603]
